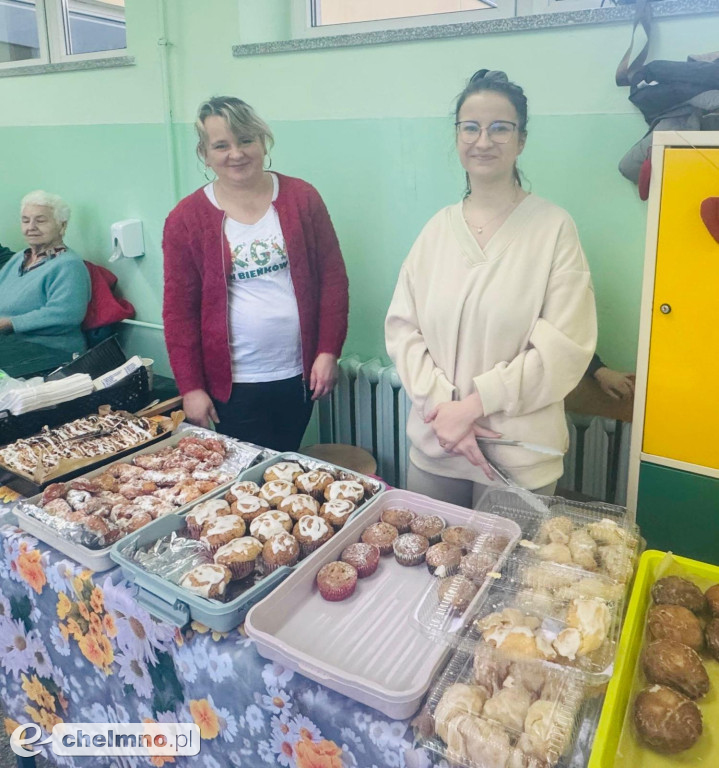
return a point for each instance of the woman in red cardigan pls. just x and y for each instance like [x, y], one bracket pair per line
[256, 296]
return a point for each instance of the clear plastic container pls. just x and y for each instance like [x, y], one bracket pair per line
[486, 711]
[591, 536]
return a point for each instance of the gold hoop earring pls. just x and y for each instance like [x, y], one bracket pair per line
[267, 165]
[206, 176]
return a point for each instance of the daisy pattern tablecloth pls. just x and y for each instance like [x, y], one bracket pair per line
[77, 647]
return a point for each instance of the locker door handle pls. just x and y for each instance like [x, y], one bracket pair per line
[665, 309]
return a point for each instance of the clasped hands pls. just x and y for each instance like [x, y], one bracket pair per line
[455, 426]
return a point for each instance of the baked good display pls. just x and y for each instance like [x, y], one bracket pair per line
[239, 555]
[674, 590]
[208, 580]
[350, 490]
[503, 726]
[287, 471]
[242, 488]
[249, 507]
[711, 634]
[311, 531]
[399, 517]
[674, 622]
[314, 483]
[459, 536]
[337, 512]
[298, 504]
[268, 524]
[667, 662]
[666, 720]
[443, 559]
[712, 598]
[602, 546]
[336, 580]
[220, 530]
[282, 549]
[113, 432]
[274, 491]
[155, 484]
[382, 535]
[410, 548]
[456, 592]
[429, 526]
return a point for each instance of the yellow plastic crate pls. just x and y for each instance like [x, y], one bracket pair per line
[615, 745]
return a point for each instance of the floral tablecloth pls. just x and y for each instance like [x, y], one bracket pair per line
[76, 647]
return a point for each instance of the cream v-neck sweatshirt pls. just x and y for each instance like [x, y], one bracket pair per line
[515, 322]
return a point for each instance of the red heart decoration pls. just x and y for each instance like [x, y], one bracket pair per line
[710, 216]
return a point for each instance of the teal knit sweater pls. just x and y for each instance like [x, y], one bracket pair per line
[48, 303]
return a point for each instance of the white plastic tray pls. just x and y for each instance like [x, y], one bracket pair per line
[366, 647]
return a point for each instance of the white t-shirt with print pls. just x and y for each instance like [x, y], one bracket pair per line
[264, 322]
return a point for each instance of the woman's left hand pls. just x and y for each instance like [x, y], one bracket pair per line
[452, 421]
[323, 376]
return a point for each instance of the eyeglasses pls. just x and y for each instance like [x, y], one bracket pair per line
[500, 131]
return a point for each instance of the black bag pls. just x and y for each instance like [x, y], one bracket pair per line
[662, 85]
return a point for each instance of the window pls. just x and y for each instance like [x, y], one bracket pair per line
[336, 17]
[54, 31]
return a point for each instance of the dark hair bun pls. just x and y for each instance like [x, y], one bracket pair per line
[490, 75]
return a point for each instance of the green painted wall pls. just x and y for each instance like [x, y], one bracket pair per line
[370, 127]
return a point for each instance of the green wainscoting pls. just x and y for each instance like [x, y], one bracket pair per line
[678, 511]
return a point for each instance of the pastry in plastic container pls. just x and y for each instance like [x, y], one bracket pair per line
[443, 559]
[459, 536]
[457, 592]
[268, 524]
[499, 717]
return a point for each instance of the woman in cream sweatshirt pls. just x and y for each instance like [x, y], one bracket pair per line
[492, 322]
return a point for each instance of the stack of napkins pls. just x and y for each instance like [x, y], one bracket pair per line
[31, 396]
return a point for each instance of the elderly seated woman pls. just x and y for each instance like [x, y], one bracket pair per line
[45, 289]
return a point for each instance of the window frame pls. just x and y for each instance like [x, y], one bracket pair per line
[302, 12]
[53, 38]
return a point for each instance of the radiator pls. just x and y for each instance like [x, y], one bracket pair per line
[369, 408]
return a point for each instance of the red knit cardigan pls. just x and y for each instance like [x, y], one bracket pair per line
[195, 297]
